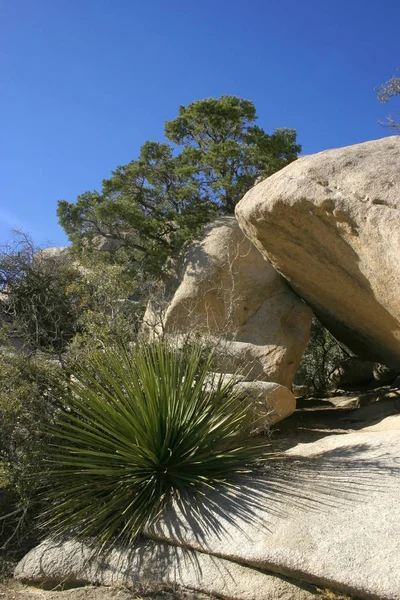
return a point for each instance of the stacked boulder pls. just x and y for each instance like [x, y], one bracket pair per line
[235, 301]
[330, 224]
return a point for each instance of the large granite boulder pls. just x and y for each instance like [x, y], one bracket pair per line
[268, 403]
[231, 296]
[330, 224]
[72, 563]
[328, 515]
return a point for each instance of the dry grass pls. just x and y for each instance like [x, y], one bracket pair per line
[330, 595]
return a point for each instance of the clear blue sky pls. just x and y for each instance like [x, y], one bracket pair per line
[85, 82]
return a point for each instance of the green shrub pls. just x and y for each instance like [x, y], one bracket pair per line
[30, 391]
[110, 316]
[321, 359]
[137, 431]
[38, 297]
[51, 303]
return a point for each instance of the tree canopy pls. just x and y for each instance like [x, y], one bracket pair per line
[225, 151]
[148, 208]
[151, 206]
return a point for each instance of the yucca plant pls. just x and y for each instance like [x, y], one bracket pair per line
[137, 430]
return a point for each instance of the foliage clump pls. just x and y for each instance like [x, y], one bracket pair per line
[388, 90]
[139, 430]
[321, 360]
[38, 300]
[31, 389]
[52, 304]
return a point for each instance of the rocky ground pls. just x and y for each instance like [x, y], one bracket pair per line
[342, 412]
[16, 591]
[11, 590]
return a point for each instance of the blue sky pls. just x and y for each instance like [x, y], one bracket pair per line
[84, 83]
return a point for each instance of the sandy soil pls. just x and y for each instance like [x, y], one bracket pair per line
[12, 590]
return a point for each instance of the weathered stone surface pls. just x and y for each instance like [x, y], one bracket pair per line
[331, 517]
[273, 363]
[150, 562]
[391, 423]
[229, 292]
[106, 244]
[268, 403]
[18, 591]
[330, 223]
[55, 252]
[396, 382]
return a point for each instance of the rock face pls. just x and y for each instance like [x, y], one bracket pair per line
[230, 294]
[147, 562]
[332, 517]
[354, 371]
[330, 223]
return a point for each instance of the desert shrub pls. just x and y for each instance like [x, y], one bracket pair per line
[54, 304]
[30, 392]
[137, 431]
[321, 360]
[113, 308]
[38, 295]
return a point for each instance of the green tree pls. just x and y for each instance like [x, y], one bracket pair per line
[225, 151]
[150, 207]
[388, 90]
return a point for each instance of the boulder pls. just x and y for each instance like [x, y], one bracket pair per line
[353, 371]
[329, 223]
[391, 423]
[103, 243]
[74, 563]
[267, 402]
[328, 515]
[231, 296]
[55, 252]
[257, 362]
[396, 382]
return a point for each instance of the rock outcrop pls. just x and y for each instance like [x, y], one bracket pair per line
[74, 563]
[330, 224]
[55, 252]
[230, 295]
[332, 517]
[268, 403]
[353, 372]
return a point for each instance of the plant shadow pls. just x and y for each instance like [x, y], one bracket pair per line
[284, 489]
